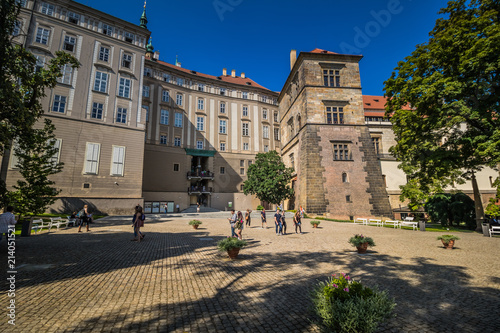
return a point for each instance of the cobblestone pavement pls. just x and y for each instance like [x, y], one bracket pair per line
[177, 281]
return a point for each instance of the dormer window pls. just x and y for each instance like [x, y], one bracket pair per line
[129, 37]
[166, 77]
[223, 91]
[107, 29]
[73, 18]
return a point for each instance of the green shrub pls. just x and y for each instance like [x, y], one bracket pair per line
[357, 240]
[448, 238]
[195, 222]
[346, 306]
[313, 222]
[446, 208]
[229, 243]
[259, 207]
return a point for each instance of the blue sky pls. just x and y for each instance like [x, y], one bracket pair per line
[256, 36]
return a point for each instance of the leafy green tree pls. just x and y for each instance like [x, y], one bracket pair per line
[444, 99]
[269, 178]
[22, 88]
[449, 209]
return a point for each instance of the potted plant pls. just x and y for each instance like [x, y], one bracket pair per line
[315, 223]
[361, 242]
[448, 240]
[195, 223]
[232, 245]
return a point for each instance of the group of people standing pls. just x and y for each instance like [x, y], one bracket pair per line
[237, 221]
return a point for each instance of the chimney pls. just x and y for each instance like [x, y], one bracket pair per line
[242, 75]
[157, 55]
[293, 58]
[224, 71]
[233, 73]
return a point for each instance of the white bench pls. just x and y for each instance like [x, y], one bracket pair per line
[38, 225]
[57, 222]
[394, 223]
[408, 222]
[494, 230]
[73, 220]
[360, 220]
[375, 222]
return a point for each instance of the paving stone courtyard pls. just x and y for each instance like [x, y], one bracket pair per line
[177, 281]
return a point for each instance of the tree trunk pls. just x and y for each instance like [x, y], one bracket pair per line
[478, 203]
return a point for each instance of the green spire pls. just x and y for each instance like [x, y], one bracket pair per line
[149, 47]
[144, 20]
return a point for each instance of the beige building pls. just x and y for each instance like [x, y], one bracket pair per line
[96, 108]
[202, 133]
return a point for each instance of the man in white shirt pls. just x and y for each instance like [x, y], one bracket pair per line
[6, 219]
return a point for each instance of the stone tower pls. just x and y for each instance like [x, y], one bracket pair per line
[325, 138]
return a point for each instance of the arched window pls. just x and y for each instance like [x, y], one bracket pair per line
[344, 178]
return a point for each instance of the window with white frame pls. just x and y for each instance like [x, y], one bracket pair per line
[245, 111]
[165, 97]
[276, 134]
[199, 144]
[107, 29]
[178, 100]
[127, 60]
[67, 73]
[42, 36]
[201, 103]
[121, 115]
[47, 9]
[200, 123]
[101, 81]
[222, 107]
[145, 91]
[244, 128]
[222, 126]
[178, 119]
[129, 37]
[163, 139]
[147, 72]
[104, 54]
[17, 28]
[244, 95]
[59, 104]
[265, 132]
[180, 81]
[118, 161]
[266, 148]
[164, 117]
[177, 142]
[264, 99]
[245, 145]
[97, 110]
[264, 114]
[166, 77]
[222, 146]
[223, 91]
[73, 18]
[275, 116]
[54, 159]
[124, 88]
[201, 87]
[92, 158]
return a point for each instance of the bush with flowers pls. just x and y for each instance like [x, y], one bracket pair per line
[357, 240]
[345, 305]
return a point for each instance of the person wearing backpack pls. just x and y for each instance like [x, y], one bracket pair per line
[238, 226]
[84, 217]
[137, 223]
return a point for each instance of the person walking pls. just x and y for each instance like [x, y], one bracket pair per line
[166, 208]
[238, 226]
[277, 222]
[84, 218]
[263, 218]
[7, 219]
[297, 221]
[283, 223]
[137, 223]
[232, 221]
[248, 218]
[302, 211]
[198, 207]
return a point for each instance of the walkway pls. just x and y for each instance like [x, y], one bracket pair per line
[177, 281]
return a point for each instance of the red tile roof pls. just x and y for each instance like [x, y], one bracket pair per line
[316, 50]
[224, 78]
[374, 102]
